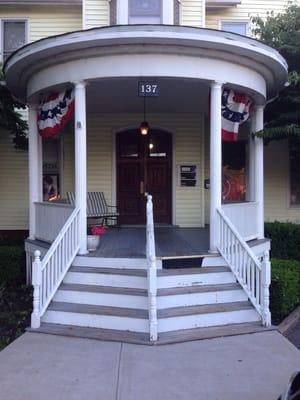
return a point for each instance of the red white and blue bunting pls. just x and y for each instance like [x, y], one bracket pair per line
[54, 112]
[236, 108]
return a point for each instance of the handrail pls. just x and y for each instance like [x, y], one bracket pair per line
[254, 275]
[48, 274]
[151, 270]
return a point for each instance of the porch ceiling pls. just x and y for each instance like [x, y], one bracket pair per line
[120, 95]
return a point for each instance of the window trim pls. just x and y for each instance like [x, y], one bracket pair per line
[290, 205]
[236, 21]
[12, 19]
[167, 12]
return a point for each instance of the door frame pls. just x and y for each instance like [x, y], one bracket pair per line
[173, 165]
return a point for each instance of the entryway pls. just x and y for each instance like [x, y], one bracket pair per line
[144, 165]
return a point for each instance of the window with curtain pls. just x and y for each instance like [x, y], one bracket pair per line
[145, 11]
[13, 36]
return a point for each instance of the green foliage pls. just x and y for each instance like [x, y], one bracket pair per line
[15, 297]
[284, 289]
[283, 33]
[10, 119]
[285, 237]
[12, 264]
[15, 311]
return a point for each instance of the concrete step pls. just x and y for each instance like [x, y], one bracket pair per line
[143, 338]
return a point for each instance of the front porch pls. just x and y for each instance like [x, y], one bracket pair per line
[170, 242]
[178, 183]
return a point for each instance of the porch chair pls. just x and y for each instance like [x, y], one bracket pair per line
[97, 207]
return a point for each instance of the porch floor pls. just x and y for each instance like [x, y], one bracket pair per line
[170, 242]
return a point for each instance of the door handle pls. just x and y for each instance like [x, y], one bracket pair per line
[142, 187]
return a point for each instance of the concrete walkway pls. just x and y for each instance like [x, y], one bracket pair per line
[248, 367]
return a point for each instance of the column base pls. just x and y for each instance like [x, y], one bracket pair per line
[213, 252]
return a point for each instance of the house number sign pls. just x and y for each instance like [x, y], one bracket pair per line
[148, 89]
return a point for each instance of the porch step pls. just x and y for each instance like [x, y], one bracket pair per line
[143, 338]
[203, 316]
[136, 320]
[137, 278]
[117, 299]
[105, 317]
[110, 271]
[171, 278]
[111, 277]
[137, 298]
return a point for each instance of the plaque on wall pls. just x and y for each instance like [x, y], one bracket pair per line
[188, 175]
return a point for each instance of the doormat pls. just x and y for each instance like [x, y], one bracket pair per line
[190, 262]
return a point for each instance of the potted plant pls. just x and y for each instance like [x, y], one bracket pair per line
[93, 237]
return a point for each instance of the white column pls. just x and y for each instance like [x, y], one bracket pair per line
[34, 166]
[80, 162]
[251, 165]
[259, 170]
[40, 167]
[122, 12]
[215, 162]
[168, 12]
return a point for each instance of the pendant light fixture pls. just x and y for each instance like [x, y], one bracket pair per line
[144, 126]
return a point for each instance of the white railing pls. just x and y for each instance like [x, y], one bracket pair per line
[48, 274]
[254, 275]
[244, 216]
[50, 218]
[151, 270]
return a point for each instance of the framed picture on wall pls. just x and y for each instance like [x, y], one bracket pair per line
[50, 187]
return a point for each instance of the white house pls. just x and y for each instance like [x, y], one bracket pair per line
[145, 283]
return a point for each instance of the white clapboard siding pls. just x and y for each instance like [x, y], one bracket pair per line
[14, 185]
[45, 21]
[96, 13]
[244, 11]
[192, 12]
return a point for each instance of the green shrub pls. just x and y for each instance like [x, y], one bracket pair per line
[285, 288]
[285, 237]
[12, 264]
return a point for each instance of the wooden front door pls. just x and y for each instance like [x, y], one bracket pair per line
[144, 165]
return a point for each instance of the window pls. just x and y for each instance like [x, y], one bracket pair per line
[294, 151]
[234, 171]
[51, 170]
[145, 11]
[13, 36]
[235, 27]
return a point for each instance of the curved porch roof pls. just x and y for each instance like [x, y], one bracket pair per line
[147, 51]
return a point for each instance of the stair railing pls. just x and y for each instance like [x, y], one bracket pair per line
[254, 275]
[47, 274]
[151, 270]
